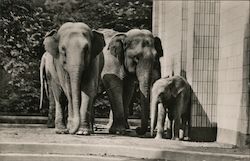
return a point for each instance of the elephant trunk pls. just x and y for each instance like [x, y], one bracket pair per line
[144, 86]
[75, 81]
[153, 112]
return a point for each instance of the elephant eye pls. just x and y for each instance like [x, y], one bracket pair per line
[133, 43]
[146, 43]
[136, 59]
[63, 51]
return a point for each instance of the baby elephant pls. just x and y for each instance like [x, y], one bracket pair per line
[171, 95]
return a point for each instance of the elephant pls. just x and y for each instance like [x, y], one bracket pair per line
[129, 57]
[171, 95]
[77, 60]
[49, 83]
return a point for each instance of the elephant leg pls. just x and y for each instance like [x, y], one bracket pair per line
[170, 130]
[186, 127]
[51, 113]
[176, 117]
[128, 90]
[186, 117]
[110, 119]
[167, 126]
[170, 124]
[160, 121]
[144, 116]
[113, 85]
[59, 116]
[175, 129]
[85, 111]
[181, 109]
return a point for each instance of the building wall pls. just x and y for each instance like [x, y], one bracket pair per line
[189, 51]
[169, 11]
[233, 111]
[208, 43]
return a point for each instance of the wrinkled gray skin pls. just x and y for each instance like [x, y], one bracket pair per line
[45, 80]
[77, 60]
[129, 57]
[171, 95]
[49, 82]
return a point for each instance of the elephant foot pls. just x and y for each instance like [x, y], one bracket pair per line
[83, 131]
[51, 124]
[117, 130]
[62, 131]
[168, 134]
[158, 136]
[140, 131]
[73, 125]
[186, 138]
[175, 138]
[69, 124]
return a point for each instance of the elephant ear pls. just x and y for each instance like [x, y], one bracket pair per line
[176, 86]
[98, 43]
[158, 46]
[51, 43]
[116, 47]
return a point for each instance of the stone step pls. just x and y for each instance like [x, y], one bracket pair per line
[43, 120]
[23, 119]
[60, 157]
[55, 151]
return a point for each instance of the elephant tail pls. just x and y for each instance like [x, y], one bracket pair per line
[43, 81]
[153, 111]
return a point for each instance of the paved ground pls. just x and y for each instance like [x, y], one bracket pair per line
[41, 140]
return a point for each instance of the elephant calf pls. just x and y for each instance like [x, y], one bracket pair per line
[172, 95]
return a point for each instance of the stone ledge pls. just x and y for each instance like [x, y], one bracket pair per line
[115, 151]
[43, 120]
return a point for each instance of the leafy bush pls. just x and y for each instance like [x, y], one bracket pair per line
[21, 48]
[23, 26]
[119, 15]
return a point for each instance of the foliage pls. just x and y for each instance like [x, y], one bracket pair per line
[119, 15]
[21, 47]
[23, 26]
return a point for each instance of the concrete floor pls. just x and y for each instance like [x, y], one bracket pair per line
[34, 141]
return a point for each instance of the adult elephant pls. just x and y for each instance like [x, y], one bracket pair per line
[50, 84]
[172, 95]
[129, 57]
[75, 56]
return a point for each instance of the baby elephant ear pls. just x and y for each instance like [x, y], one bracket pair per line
[177, 86]
[98, 43]
[158, 46]
[51, 43]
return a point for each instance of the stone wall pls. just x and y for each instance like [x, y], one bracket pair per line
[208, 43]
[233, 112]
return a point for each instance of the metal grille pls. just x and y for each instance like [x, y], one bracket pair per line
[205, 62]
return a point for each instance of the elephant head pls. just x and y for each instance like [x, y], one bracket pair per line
[165, 91]
[73, 47]
[139, 52]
